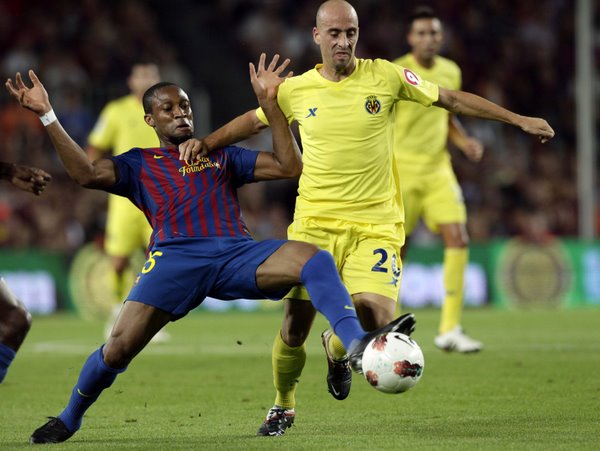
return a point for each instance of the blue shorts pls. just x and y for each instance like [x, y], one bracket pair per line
[181, 272]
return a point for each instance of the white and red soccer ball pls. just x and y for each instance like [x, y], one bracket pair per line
[393, 363]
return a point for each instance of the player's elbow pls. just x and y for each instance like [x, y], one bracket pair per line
[449, 100]
[290, 170]
[255, 125]
[86, 181]
[91, 180]
[295, 171]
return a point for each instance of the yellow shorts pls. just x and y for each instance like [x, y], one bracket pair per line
[367, 255]
[127, 229]
[436, 197]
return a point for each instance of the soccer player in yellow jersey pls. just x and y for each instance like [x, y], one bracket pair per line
[348, 201]
[428, 184]
[119, 128]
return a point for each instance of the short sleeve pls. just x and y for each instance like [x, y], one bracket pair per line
[128, 168]
[458, 85]
[243, 162]
[407, 85]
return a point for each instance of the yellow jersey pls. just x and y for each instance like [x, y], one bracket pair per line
[346, 129]
[421, 134]
[121, 126]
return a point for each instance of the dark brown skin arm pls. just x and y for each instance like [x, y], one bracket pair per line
[236, 130]
[286, 160]
[26, 178]
[100, 174]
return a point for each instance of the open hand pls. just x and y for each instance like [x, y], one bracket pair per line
[35, 98]
[266, 81]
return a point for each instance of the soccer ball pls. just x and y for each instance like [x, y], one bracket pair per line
[393, 363]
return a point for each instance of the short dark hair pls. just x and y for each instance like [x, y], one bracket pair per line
[421, 12]
[151, 91]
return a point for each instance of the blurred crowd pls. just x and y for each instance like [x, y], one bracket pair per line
[518, 54]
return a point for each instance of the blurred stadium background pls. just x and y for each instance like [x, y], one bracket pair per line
[533, 209]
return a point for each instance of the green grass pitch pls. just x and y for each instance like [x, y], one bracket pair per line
[536, 385]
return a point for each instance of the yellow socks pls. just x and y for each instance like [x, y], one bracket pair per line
[336, 348]
[455, 264]
[288, 363]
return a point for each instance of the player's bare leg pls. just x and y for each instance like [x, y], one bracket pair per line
[15, 322]
[451, 336]
[136, 325]
[134, 328]
[122, 284]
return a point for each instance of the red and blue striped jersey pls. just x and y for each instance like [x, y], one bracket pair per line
[185, 198]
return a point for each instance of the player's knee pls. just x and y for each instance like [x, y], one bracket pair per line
[117, 353]
[456, 237]
[17, 323]
[323, 259]
[294, 338]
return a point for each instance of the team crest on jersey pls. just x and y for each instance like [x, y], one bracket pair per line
[197, 166]
[372, 105]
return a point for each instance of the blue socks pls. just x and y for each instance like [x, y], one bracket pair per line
[330, 297]
[94, 377]
[6, 357]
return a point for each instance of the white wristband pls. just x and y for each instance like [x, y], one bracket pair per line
[48, 118]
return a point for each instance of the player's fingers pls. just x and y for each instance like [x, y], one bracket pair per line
[33, 78]
[11, 88]
[290, 74]
[184, 153]
[197, 150]
[282, 66]
[273, 62]
[261, 62]
[252, 70]
[43, 175]
[193, 148]
[38, 187]
[19, 81]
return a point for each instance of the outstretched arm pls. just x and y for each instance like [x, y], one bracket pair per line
[234, 131]
[100, 174]
[461, 102]
[29, 179]
[286, 160]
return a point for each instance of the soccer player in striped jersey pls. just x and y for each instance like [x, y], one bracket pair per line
[429, 187]
[200, 245]
[348, 201]
[15, 320]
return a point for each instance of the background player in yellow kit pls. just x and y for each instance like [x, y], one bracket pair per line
[429, 187]
[348, 201]
[119, 128]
